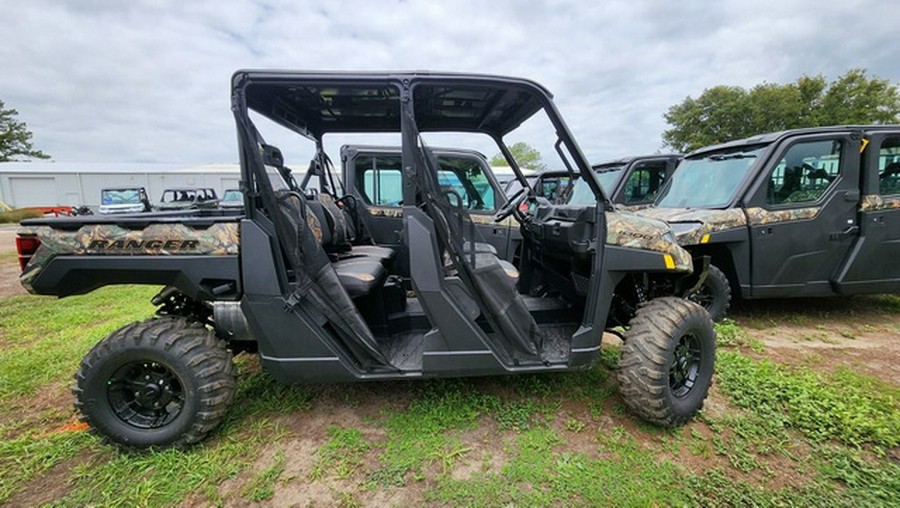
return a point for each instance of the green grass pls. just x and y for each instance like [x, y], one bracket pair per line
[538, 474]
[553, 440]
[341, 455]
[844, 406]
[44, 338]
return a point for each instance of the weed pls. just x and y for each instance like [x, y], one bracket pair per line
[844, 406]
[341, 455]
[518, 415]
[728, 333]
[575, 425]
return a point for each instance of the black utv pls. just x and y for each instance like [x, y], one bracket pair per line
[799, 213]
[299, 281]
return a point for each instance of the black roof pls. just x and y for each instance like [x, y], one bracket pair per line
[771, 137]
[628, 160]
[318, 102]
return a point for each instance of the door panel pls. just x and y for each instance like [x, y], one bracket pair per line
[806, 222]
[872, 267]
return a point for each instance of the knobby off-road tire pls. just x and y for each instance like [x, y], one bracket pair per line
[714, 294]
[667, 361]
[162, 382]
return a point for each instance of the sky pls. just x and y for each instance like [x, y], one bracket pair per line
[148, 81]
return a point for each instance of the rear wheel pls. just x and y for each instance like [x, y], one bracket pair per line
[162, 382]
[714, 294]
[667, 361]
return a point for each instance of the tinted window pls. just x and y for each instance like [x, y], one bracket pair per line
[644, 182]
[889, 167]
[804, 172]
[468, 182]
[379, 180]
[553, 188]
[120, 197]
[233, 195]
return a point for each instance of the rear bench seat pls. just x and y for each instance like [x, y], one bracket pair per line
[343, 233]
[359, 272]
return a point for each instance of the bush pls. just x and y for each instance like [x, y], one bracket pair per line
[15, 216]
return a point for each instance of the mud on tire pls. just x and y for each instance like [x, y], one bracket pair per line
[162, 382]
[667, 361]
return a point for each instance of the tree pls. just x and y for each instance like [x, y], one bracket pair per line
[15, 138]
[725, 113]
[526, 156]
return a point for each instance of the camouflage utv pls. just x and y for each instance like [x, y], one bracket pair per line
[300, 281]
[807, 212]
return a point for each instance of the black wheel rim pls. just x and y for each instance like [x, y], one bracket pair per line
[145, 395]
[685, 366]
[703, 296]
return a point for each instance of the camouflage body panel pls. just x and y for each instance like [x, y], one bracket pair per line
[708, 221]
[632, 208]
[489, 220]
[380, 211]
[760, 216]
[397, 213]
[874, 202]
[633, 231]
[219, 239]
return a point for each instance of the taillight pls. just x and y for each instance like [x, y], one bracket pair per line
[26, 246]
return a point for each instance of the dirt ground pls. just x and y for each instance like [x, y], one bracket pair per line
[9, 265]
[8, 238]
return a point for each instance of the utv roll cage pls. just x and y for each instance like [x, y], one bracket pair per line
[314, 104]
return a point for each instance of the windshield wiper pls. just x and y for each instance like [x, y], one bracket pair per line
[732, 156]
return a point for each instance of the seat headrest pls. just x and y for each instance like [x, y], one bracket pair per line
[892, 169]
[272, 156]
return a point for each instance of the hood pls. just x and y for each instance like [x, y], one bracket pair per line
[692, 225]
[626, 229]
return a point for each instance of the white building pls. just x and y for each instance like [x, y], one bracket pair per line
[24, 184]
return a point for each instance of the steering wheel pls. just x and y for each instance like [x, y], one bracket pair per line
[512, 206]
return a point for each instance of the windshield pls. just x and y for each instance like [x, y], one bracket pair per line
[608, 177]
[709, 181]
[581, 194]
[178, 195]
[120, 197]
[515, 186]
[232, 195]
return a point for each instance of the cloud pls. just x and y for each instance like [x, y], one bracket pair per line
[148, 80]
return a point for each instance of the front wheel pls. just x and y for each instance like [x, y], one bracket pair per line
[162, 382]
[667, 361]
[714, 294]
